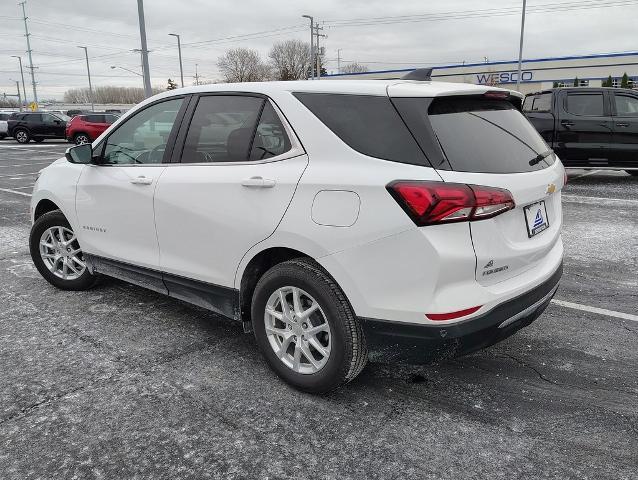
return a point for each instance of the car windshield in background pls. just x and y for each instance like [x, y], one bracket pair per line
[62, 117]
[478, 134]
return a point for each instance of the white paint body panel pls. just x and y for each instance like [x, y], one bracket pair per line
[207, 220]
[118, 213]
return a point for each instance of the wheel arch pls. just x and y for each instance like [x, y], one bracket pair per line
[44, 206]
[255, 268]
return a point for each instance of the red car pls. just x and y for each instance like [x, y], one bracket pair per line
[86, 128]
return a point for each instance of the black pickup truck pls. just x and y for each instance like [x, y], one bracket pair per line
[588, 127]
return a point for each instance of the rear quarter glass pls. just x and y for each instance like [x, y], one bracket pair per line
[474, 134]
[366, 123]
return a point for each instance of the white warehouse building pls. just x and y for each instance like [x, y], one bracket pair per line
[537, 74]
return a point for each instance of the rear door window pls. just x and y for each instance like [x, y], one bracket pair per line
[626, 105]
[368, 124]
[222, 129]
[477, 134]
[585, 104]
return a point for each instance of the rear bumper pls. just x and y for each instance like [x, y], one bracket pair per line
[412, 343]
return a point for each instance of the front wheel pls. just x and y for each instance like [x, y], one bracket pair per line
[57, 254]
[306, 328]
[81, 139]
[633, 173]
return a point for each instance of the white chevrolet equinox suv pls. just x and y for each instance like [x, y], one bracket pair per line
[410, 219]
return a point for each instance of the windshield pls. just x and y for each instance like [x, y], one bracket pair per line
[481, 135]
[62, 117]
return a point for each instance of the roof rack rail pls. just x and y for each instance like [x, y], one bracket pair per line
[421, 74]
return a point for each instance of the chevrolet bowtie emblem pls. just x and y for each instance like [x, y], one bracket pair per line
[551, 188]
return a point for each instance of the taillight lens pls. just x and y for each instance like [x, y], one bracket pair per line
[430, 203]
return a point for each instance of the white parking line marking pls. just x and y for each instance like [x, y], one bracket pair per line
[599, 200]
[13, 191]
[600, 311]
[18, 175]
[25, 164]
[583, 175]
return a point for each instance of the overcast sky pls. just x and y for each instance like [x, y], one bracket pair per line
[110, 29]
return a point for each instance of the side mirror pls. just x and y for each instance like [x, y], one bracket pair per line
[82, 154]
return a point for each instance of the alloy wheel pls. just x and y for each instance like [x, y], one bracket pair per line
[297, 330]
[22, 137]
[61, 253]
[81, 139]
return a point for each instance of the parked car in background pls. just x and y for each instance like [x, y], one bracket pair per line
[74, 112]
[86, 128]
[588, 127]
[4, 125]
[37, 126]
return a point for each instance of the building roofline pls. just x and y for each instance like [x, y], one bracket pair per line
[502, 62]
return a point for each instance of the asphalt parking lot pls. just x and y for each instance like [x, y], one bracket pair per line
[121, 382]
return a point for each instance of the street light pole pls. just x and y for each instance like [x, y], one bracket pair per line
[145, 68]
[520, 49]
[312, 45]
[179, 50]
[19, 97]
[24, 90]
[88, 72]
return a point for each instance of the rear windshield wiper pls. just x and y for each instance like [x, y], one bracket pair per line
[540, 157]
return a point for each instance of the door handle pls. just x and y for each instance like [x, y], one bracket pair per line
[567, 123]
[141, 180]
[622, 124]
[258, 182]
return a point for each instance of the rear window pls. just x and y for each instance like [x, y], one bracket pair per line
[368, 124]
[477, 134]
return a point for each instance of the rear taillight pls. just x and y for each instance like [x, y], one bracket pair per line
[430, 203]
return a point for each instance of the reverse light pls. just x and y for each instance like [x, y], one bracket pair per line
[452, 315]
[430, 203]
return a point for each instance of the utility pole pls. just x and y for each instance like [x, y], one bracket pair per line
[145, 68]
[24, 90]
[318, 50]
[179, 50]
[520, 49]
[312, 45]
[19, 97]
[196, 77]
[88, 72]
[26, 34]
[339, 60]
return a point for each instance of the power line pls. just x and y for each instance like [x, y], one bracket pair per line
[464, 14]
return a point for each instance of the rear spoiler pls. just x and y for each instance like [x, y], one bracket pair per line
[420, 74]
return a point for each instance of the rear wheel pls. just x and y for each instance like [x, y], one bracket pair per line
[81, 138]
[21, 136]
[305, 327]
[633, 173]
[57, 254]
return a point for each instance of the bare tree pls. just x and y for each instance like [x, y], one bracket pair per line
[243, 65]
[354, 68]
[108, 94]
[290, 60]
[8, 102]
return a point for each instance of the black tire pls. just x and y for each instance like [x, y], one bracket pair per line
[78, 138]
[54, 219]
[21, 135]
[349, 352]
[38, 140]
[633, 173]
